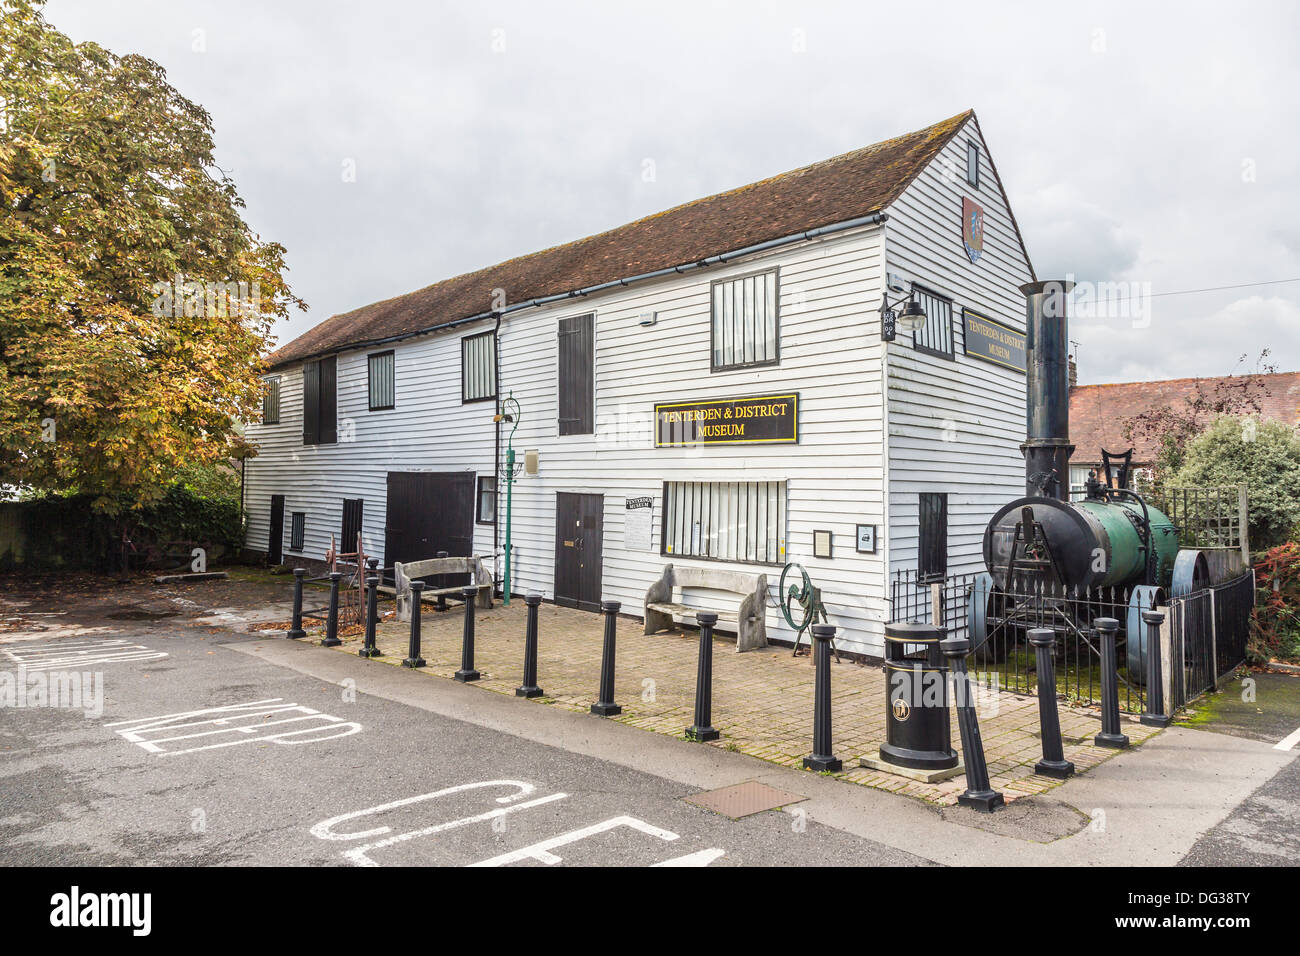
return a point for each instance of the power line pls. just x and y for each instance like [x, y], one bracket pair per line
[1221, 288]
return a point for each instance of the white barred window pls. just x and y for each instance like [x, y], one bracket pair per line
[740, 521]
[746, 330]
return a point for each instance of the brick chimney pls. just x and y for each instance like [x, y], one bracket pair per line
[1074, 371]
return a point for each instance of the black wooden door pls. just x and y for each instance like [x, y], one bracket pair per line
[275, 544]
[428, 512]
[579, 549]
[353, 509]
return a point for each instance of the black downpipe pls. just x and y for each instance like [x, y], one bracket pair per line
[496, 454]
[1047, 447]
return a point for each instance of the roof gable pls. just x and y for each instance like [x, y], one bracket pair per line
[846, 187]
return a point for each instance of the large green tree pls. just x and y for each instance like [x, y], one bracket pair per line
[1265, 455]
[135, 302]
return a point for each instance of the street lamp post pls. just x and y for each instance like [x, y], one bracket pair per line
[512, 416]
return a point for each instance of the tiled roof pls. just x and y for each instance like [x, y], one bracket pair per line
[1099, 413]
[846, 187]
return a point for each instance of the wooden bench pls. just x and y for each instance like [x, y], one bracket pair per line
[746, 615]
[403, 573]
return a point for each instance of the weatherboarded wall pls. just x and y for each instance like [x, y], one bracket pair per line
[830, 354]
[955, 423]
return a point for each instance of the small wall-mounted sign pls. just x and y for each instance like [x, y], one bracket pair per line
[764, 419]
[821, 544]
[993, 342]
[972, 228]
[866, 539]
[638, 533]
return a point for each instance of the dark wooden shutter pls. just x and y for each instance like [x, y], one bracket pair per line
[932, 553]
[577, 375]
[352, 511]
[311, 403]
[328, 401]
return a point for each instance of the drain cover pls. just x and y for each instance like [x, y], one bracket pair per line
[742, 799]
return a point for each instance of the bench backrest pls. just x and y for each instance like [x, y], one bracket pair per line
[420, 569]
[715, 579]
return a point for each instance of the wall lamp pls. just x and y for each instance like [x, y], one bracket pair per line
[909, 320]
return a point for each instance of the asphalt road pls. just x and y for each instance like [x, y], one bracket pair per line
[1264, 830]
[159, 778]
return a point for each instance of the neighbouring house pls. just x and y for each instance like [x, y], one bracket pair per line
[719, 385]
[1099, 415]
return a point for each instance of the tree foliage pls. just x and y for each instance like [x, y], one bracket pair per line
[128, 347]
[1263, 454]
[1172, 427]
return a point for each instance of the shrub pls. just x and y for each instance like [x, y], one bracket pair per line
[1263, 454]
[1275, 622]
[201, 505]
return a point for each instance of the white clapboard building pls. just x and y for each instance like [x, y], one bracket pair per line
[713, 386]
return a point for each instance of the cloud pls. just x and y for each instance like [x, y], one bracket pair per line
[486, 131]
[1224, 341]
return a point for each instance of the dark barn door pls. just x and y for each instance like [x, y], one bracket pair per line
[429, 512]
[579, 549]
[275, 544]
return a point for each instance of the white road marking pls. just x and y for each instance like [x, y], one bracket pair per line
[1288, 742]
[248, 721]
[541, 852]
[700, 858]
[325, 829]
[81, 654]
[360, 855]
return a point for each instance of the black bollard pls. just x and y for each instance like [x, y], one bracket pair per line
[979, 792]
[467, 672]
[702, 730]
[822, 759]
[368, 649]
[1153, 715]
[1053, 763]
[529, 687]
[1110, 736]
[413, 658]
[332, 620]
[605, 707]
[296, 631]
[440, 582]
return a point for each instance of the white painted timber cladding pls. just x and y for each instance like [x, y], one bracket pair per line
[830, 353]
[955, 425]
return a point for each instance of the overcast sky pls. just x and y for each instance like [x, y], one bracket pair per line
[1149, 143]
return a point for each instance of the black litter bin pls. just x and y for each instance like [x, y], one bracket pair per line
[918, 730]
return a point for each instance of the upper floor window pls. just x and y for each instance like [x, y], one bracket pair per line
[271, 400]
[382, 382]
[973, 163]
[746, 328]
[319, 402]
[935, 336]
[478, 368]
[577, 375]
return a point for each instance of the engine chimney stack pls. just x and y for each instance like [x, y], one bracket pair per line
[1047, 447]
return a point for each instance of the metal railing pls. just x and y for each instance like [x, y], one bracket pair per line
[1004, 655]
[1208, 633]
